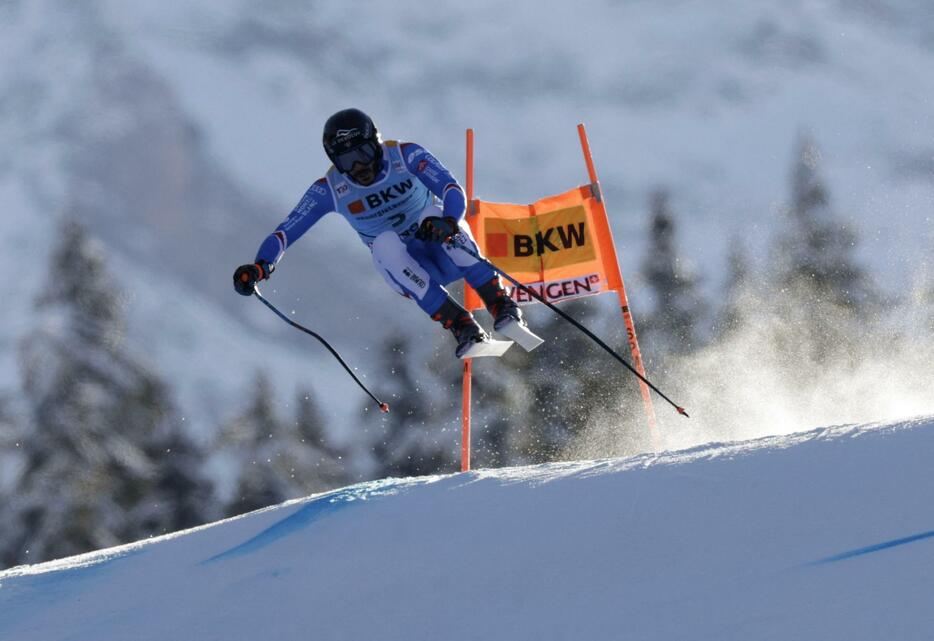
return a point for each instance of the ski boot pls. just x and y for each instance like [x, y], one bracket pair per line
[501, 306]
[507, 317]
[472, 341]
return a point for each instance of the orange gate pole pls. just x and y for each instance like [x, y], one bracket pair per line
[608, 247]
[466, 387]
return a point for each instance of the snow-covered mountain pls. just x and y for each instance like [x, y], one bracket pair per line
[825, 534]
[183, 132]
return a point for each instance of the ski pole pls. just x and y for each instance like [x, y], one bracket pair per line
[383, 407]
[574, 322]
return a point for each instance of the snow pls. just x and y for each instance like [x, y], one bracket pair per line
[824, 534]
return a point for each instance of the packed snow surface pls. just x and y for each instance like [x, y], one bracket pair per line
[826, 534]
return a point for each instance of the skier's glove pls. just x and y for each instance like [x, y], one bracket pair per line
[435, 229]
[245, 277]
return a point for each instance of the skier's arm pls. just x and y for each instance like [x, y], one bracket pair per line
[316, 202]
[437, 178]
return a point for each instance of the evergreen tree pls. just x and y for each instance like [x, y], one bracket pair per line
[255, 438]
[499, 400]
[10, 432]
[409, 441]
[330, 463]
[277, 460]
[572, 383]
[731, 315]
[10, 435]
[182, 496]
[499, 406]
[91, 478]
[824, 297]
[672, 326]
[815, 254]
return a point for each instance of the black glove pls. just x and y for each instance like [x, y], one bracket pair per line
[245, 277]
[437, 230]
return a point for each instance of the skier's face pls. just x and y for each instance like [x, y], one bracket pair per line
[363, 173]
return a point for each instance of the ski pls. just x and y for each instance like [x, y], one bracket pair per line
[487, 348]
[520, 333]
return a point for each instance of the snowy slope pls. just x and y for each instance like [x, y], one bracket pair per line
[826, 534]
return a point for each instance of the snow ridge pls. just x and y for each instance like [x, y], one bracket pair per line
[822, 534]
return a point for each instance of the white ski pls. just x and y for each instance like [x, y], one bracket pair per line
[487, 348]
[521, 334]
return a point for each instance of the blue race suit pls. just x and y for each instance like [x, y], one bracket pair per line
[386, 214]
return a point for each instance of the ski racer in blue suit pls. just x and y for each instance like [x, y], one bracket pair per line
[409, 210]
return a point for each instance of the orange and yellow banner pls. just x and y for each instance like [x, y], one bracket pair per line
[558, 246]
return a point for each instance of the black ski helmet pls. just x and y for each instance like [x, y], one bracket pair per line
[351, 136]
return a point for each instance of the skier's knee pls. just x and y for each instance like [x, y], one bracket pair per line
[387, 242]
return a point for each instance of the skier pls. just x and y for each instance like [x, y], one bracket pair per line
[409, 210]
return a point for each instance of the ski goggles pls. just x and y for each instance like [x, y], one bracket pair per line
[365, 154]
